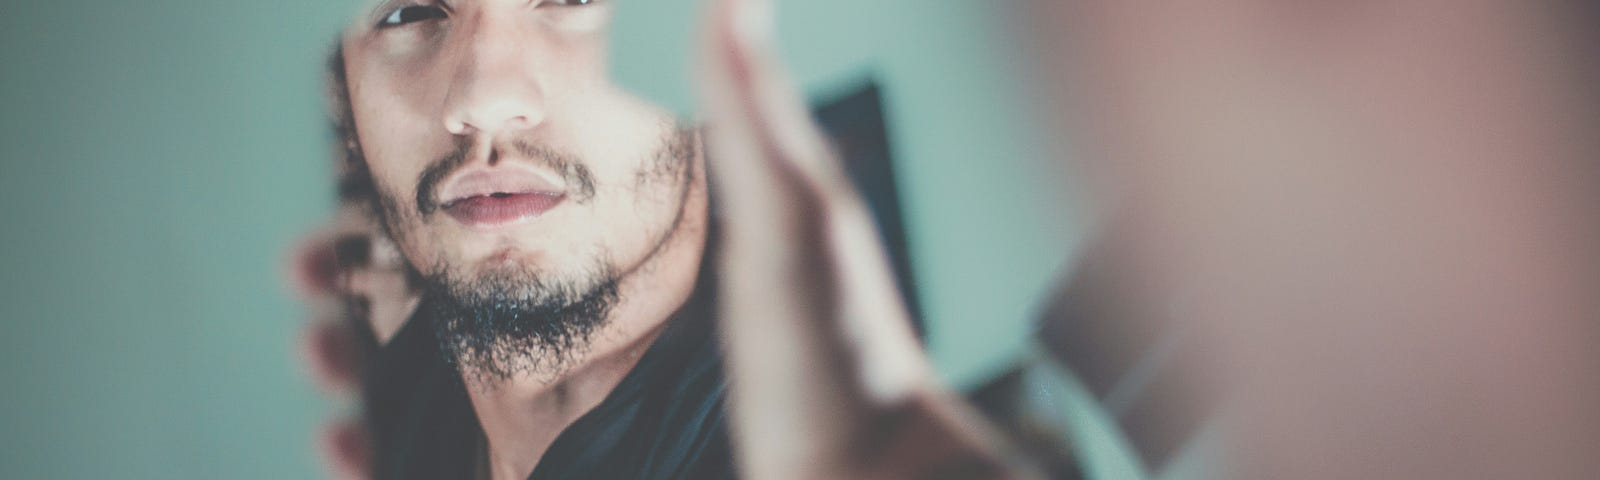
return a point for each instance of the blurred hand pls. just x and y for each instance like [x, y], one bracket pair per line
[827, 378]
[353, 282]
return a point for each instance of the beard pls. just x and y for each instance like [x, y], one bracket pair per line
[511, 321]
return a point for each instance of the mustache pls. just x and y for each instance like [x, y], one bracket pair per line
[576, 175]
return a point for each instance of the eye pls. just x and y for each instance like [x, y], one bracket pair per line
[414, 13]
[572, 3]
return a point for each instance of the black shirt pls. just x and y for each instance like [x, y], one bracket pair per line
[663, 421]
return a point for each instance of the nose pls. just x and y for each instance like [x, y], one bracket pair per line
[495, 87]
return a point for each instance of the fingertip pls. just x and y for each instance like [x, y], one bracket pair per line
[750, 23]
[738, 31]
[313, 266]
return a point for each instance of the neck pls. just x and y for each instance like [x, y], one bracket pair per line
[522, 417]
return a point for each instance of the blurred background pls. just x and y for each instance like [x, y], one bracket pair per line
[160, 157]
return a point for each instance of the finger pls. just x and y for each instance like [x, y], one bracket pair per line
[780, 408]
[816, 339]
[378, 283]
[313, 266]
[819, 346]
[326, 347]
[794, 217]
[345, 447]
[768, 153]
[331, 353]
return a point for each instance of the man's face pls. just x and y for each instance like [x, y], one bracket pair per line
[508, 165]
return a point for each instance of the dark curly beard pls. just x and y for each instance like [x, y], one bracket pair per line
[512, 322]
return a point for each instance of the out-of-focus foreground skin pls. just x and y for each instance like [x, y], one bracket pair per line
[826, 378]
[1379, 218]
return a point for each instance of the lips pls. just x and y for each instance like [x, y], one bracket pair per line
[493, 197]
[501, 208]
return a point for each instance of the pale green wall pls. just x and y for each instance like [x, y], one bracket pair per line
[159, 156]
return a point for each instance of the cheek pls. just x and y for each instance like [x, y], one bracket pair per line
[394, 177]
[593, 19]
[621, 136]
[394, 102]
[393, 139]
[392, 155]
[577, 63]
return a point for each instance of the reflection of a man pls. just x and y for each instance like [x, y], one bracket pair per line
[554, 225]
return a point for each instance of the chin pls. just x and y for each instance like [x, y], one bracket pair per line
[508, 259]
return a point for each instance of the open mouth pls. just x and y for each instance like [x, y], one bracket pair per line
[501, 208]
[490, 197]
